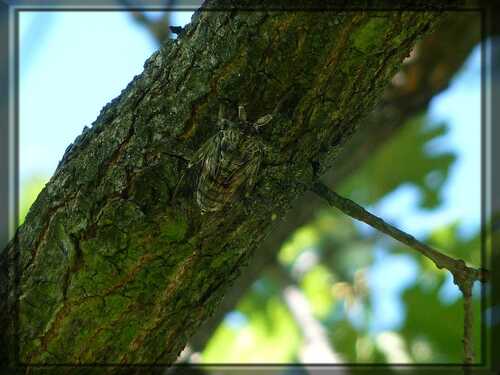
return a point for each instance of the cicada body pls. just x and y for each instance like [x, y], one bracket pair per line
[230, 162]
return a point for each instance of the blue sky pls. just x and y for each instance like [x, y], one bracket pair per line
[72, 63]
[68, 70]
[460, 108]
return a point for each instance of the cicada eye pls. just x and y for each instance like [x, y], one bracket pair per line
[224, 124]
[242, 113]
[263, 121]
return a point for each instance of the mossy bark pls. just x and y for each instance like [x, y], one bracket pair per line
[115, 263]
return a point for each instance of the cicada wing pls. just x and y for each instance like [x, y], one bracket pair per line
[209, 151]
[213, 157]
[209, 156]
[252, 168]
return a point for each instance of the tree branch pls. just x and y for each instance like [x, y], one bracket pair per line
[159, 29]
[424, 75]
[463, 276]
[316, 346]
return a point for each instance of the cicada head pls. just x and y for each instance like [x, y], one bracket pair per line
[231, 137]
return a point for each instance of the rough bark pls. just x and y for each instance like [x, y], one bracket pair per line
[114, 263]
[421, 78]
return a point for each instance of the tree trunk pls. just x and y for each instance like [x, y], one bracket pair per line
[115, 262]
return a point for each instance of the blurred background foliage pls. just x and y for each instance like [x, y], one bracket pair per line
[339, 291]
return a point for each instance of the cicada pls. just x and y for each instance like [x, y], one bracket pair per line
[229, 162]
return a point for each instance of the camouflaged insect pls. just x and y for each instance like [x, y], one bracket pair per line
[230, 162]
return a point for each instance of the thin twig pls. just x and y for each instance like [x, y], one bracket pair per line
[159, 29]
[468, 322]
[463, 276]
[316, 346]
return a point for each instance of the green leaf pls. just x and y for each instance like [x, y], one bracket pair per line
[404, 159]
[29, 191]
